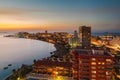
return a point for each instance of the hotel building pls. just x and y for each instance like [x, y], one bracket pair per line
[85, 36]
[92, 65]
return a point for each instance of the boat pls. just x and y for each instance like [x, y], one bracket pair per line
[5, 68]
[9, 64]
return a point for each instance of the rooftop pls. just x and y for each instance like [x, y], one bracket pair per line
[50, 63]
[91, 52]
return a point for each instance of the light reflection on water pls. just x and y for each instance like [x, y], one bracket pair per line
[18, 51]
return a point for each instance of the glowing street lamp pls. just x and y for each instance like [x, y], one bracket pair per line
[18, 78]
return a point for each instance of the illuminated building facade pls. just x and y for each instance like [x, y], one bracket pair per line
[92, 65]
[85, 36]
[74, 42]
[53, 67]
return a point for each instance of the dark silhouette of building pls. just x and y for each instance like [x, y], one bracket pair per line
[75, 34]
[85, 37]
[46, 31]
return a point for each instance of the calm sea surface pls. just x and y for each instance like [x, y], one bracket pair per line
[18, 51]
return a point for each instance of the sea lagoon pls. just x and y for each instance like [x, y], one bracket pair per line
[18, 51]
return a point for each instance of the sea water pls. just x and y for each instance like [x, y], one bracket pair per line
[18, 51]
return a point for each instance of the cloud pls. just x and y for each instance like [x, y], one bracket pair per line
[18, 11]
[99, 11]
[10, 11]
[22, 14]
[56, 12]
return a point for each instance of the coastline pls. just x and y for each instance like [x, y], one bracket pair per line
[7, 76]
[17, 63]
[23, 70]
[60, 46]
[56, 53]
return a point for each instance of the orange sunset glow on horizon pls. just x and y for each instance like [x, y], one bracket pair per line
[59, 15]
[9, 26]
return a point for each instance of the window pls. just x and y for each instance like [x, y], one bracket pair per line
[93, 67]
[108, 60]
[86, 70]
[101, 71]
[86, 74]
[99, 62]
[101, 67]
[103, 63]
[107, 73]
[101, 76]
[93, 63]
[86, 66]
[93, 75]
[109, 68]
[94, 72]
[93, 59]
[108, 77]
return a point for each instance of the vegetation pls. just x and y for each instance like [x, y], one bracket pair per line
[116, 72]
[20, 73]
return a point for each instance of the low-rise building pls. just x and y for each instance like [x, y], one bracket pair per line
[50, 67]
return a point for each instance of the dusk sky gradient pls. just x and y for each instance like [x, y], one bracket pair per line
[102, 15]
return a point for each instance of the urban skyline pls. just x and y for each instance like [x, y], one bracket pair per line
[78, 56]
[102, 15]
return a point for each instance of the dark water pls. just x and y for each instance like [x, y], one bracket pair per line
[101, 34]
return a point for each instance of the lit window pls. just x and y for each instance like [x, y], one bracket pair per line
[75, 72]
[107, 73]
[93, 67]
[103, 63]
[93, 59]
[94, 72]
[93, 63]
[108, 60]
[99, 62]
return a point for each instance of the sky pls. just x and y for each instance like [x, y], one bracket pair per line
[64, 15]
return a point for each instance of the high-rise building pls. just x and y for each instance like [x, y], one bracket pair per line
[75, 34]
[46, 31]
[88, 63]
[74, 41]
[85, 37]
[92, 65]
